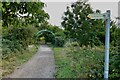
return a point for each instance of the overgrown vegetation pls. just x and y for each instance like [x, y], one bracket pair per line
[15, 59]
[19, 20]
[76, 62]
[87, 32]
[83, 54]
[53, 35]
[85, 58]
[73, 61]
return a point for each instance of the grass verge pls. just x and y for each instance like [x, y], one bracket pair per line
[78, 63]
[14, 60]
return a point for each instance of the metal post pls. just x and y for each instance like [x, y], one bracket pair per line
[107, 40]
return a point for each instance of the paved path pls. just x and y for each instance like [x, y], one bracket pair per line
[41, 65]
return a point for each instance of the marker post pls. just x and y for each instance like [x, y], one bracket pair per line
[107, 38]
[107, 41]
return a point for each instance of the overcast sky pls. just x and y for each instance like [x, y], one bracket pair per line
[56, 8]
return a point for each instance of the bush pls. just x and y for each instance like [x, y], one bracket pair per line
[72, 44]
[114, 63]
[16, 39]
[59, 42]
[86, 62]
[82, 63]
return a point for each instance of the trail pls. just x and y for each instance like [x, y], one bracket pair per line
[41, 65]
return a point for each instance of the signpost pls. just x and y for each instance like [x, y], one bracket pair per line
[107, 38]
[98, 16]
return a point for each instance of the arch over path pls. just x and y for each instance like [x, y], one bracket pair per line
[43, 31]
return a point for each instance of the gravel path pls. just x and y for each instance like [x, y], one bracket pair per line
[41, 65]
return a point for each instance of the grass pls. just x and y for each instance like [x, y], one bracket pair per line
[14, 60]
[61, 61]
[78, 63]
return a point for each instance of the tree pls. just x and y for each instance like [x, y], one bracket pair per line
[86, 31]
[19, 19]
[28, 12]
[78, 26]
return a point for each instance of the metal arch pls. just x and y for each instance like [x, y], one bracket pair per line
[45, 30]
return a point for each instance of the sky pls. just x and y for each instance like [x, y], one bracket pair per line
[56, 8]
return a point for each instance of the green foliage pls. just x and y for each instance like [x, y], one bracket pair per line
[85, 62]
[18, 29]
[63, 69]
[58, 33]
[114, 34]
[19, 20]
[114, 63]
[84, 30]
[59, 42]
[28, 12]
[48, 36]
[68, 44]
[78, 26]
[15, 59]
[115, 58]
[17, 38]
[76, 62]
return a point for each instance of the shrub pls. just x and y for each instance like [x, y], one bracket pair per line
[72, 44]
[16, 39]
[59, 42]
[114, 63]
[82, 63]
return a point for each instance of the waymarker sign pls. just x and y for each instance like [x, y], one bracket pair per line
[107, 38]
[98, 16]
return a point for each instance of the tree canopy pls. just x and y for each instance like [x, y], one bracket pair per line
[18, 24]
[27, 12]
[82, 29]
